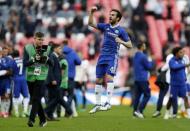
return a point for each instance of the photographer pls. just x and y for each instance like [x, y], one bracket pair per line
[37, 62]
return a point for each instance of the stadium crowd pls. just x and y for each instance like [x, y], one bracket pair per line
[160, 24]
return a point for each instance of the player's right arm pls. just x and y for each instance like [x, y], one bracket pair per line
[91, 21]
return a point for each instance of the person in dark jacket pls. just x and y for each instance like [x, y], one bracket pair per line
[141, 71]
[73, 59]
[53, 83]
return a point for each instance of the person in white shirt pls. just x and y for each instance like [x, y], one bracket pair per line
[81, 79]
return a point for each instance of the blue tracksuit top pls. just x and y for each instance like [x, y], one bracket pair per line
[72, 59]
[141, 66]
[177, 72]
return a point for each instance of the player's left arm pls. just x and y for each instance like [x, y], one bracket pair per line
[127, 44]
[124, 39]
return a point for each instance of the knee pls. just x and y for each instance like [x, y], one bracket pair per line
[147, 95]
[36, 99]
[174, 99]
[99, 81]
[16, 96]
[109, 78]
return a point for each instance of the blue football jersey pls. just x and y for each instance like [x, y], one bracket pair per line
[6, 63]
[1, 65]
[110, 46]
[19, 69]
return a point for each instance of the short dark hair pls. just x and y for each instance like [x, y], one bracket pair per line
[53, 45]
[5, 47]
[118, 13]
[15, 53]
[65, 42]
[140, 45]
[176, 50]
[39, 34]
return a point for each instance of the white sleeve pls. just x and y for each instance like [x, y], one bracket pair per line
[3, 72]
[186, 59]
[166, 65]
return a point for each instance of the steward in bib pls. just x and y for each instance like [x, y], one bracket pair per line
[36, 60]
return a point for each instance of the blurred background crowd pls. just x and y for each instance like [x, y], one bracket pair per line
[161, 24]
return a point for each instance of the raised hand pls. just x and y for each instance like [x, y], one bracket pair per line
[93, 9]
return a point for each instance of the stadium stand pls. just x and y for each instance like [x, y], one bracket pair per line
[68, 19]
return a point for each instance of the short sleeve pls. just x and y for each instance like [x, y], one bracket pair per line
[101, 26]
[186, 59]
[124, 35]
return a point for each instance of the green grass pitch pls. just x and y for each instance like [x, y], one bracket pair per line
[119, 118]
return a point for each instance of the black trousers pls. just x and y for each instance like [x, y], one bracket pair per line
[71, 87]
[36, 90]
[162, 93]
[55, 97]
[82, 87]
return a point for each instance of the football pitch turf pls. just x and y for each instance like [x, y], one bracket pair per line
[119, 118]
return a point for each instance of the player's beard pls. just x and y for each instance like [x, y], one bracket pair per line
[113, 22]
